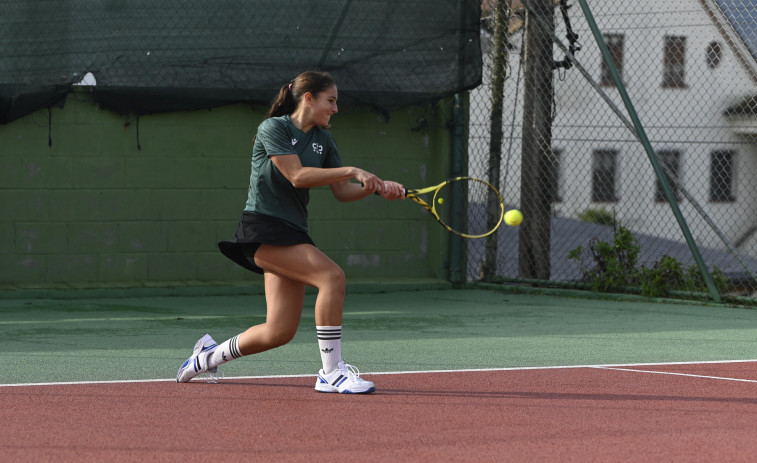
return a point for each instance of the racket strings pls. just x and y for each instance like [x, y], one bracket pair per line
[469, 207]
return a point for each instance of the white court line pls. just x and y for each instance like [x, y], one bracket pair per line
[617, 366]
[112, 319]
[634, 370]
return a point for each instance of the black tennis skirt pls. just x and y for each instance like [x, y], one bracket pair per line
[256, 229]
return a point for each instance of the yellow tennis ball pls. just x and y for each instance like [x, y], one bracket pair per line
[440, 200]
[513, 217]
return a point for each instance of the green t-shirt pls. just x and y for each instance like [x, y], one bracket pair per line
[270, 193]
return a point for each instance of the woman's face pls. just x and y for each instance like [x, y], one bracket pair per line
[324, 106]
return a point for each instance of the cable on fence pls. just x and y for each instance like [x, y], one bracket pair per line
[573, 45]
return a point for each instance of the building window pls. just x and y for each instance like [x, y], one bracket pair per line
[604, 168]
[671, 163]
[674, 62]
[714, 54]
[721, 176]
[552, 168]
[615, 45]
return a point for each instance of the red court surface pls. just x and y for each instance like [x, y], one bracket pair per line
[693, 412]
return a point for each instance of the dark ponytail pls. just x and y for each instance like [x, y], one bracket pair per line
[284, 103]
[291, 94]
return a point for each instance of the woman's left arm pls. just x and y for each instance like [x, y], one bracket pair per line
[347, 191]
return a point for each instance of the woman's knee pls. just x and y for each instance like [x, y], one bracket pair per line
[332, 278]
[279, 336]
[338, 278]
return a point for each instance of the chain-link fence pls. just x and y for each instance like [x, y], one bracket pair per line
[567, 152]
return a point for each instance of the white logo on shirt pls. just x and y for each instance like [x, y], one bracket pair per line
[294, 141]
[318, 148]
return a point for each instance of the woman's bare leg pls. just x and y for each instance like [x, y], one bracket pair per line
[288, 269]
[284, 298]
[306, 264]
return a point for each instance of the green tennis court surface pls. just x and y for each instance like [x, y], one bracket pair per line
[44, 340]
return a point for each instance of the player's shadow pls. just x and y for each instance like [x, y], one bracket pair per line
[571, 396]
[498, 395]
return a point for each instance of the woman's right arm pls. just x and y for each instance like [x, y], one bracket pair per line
[310, 177]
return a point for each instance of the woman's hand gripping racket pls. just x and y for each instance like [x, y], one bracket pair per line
[467, 206]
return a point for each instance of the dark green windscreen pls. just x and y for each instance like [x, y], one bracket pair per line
[152, 56]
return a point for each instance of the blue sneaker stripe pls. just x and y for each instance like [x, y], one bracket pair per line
[203, 346]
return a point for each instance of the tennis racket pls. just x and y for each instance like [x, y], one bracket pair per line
[466, 206]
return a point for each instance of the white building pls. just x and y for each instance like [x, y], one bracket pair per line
[690, 69]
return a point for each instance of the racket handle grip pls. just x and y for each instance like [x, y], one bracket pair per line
[379, 194]
[375, 192]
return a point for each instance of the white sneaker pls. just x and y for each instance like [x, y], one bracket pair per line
[198, 362]
[344, 380]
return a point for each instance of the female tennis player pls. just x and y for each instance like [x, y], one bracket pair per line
[293, 152]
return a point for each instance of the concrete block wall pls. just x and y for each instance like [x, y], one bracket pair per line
[120, 199]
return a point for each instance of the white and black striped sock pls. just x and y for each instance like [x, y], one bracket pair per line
[330, 345]
[225, 352]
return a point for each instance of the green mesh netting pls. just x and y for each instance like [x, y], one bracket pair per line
[152, 56]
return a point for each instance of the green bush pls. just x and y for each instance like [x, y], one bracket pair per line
[597, 216]
[614, 269]
[614, 263]
[667, 273]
